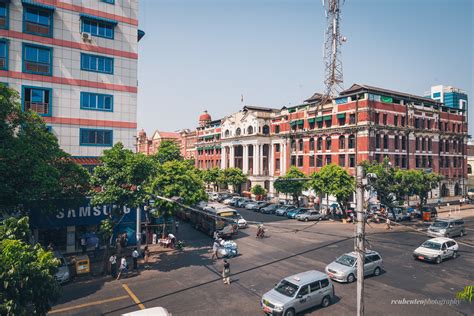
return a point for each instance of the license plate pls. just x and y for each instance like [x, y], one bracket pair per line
[267, 309]
[331, 275]
[421, 257]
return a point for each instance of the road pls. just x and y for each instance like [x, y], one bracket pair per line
[189, 283]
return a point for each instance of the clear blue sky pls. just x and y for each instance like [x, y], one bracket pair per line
[203, 54]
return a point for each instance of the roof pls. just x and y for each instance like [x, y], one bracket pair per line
[358, 87]
[306, 276]
[315, 97]
[167, 134]
[259, 108]
[440, 239]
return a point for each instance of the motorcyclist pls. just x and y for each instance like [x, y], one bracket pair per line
[260, 231]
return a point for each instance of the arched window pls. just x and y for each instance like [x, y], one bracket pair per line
[293, 144]
[266, 130]
[311, 144]
[320, 143]
[300, 145]
[227, 133]
[328, 143]
[238, 131]
[430, 144]
[342, 142]
[250, 130]
[385, 141]
[351, 141]
[469, 169]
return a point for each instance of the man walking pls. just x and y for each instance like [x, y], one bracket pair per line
[215, 250]
[123, 267]
[113, 266]
[135, 255]
[226, 272]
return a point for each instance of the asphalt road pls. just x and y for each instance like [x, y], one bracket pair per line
[189, 283]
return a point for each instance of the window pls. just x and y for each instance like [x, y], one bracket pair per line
[402, 121]
[384, 119]
[352, 118]
[300, 161]
[95, 137]
[319, 161]
[293, 160]
[96, 101]
[277, 148]
[342, 142]
[293, 145]
[304, 290]
[328, 122]
[97, 63]
[417, 143]
[395, 120]
[351, 141]
[378, 157]
[277, 164]
[238, 131]
[227, 133]
[3, 54]
[404, 162]
[377, 118]
[3, 15]
[397, 160]
[314, 286]
[423, 144]
[417, 123]
[328, 143]
[342, 160]
[397, 142]
[377, 141]
[352, 161]
[300, 145]
[341, 120]
[38, 21]
[265, 130]
[311, 161]
[328, 159]
[37, 59]
[250, 130]
[277, 129]
[311, 144]
[417, 161]
[320, 124]
[324, 283]
[428, 124]
[98, 28]
[108, 1]
[404, 142]
[38, 100]
[319, 144]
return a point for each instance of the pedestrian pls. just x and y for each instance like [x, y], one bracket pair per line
[388, 224]
[135, 255]
[146, 253]
[176, 226]
[113, 265]
[215, 250]
[83, 244]
[123, 267]
[226, 272]
[215, 235]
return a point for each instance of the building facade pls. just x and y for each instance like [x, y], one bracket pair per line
[208, 142]
[451, 97]
[75, 64]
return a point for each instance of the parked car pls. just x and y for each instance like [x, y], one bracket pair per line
[269, 209]
[296, 211]
[256, 206]
[297, 293]
[241, 222]
[395, 214]
[344, 268]
[283, 210]
[235, 200]
[309, 216]
[229, 200]
[446, 227]
[243, 202]
[62, 275]
[436, 250]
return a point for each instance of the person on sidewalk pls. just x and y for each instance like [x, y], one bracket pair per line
[83, 244]
[215, 250]
[123, 267]
[135, 256]
[388, 224]
[146, 255]
[113, 266]
[226, 272]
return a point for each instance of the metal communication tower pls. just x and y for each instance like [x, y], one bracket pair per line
[332, 49]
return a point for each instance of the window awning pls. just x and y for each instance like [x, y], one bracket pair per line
[300, 122]
[319, 119]
[291, 110]
[327, 117]
[96, 18]
[293, 123]
[35, 4]
[311, 120]
[341, 115]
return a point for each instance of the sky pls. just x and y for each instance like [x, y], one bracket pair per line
[204, 54]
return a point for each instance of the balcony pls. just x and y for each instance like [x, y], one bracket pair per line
[38, 107]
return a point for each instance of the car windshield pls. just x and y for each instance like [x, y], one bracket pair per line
[286, 288]
[346, 260]
[431, 245]
[440, 224]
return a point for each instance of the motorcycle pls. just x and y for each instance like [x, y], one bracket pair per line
[179, 245]
[260, 232]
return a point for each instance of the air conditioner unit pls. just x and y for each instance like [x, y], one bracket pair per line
[86, 37]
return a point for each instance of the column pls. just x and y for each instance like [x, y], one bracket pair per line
[70, 239]
[260, 164]
[245, 158]
[271, 162]
[283, 159]
[223, 157]
[232, 157]
[255, 160]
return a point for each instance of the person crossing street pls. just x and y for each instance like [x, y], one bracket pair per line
[226, 272]
[135, 256]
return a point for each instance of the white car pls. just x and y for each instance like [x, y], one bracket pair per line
[241, 222]
[437, 249]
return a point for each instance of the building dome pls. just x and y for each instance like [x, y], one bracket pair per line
[204, 118]
[142, 133]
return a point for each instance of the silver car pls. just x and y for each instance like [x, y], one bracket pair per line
[62, 275]
[436, 250]
[284, 209]
[297, 293]
[446, 227]
[344, 269]
[310, 216]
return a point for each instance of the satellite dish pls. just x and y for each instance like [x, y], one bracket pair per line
[344, 39]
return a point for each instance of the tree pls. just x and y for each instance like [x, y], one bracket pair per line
[234, 177]
[175, 179]
[424, 183]
[118, 183]
[26, 272]
[334, 180]
[168, 151]
[34, 171]
[385, 185]
[211, 176]
[293, 183]
[258, 190]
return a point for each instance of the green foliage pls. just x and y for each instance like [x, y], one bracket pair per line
[14, 228]
[234, 177]
[211, 176]
[386, 185]
[289, 183]
[259, 190]
[34, 171]
[176, 179]
[106, 229]
[168, 151]
[27, 273]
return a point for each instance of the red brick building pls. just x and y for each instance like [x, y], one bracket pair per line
[208, 142]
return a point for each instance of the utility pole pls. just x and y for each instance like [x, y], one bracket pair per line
[360, 236]
[138, 228]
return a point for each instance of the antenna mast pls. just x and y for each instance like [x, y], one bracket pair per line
[332, 50]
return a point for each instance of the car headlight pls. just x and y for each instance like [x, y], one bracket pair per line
[278, 308]
[442, 231]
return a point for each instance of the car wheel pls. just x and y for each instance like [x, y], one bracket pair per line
[377, 271]
[350, 278]
[306, 219]
[461, 233]
[290, 312]
[455, 255]
[438, 260]
[326, 301]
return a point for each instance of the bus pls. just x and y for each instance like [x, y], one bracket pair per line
[208, 219]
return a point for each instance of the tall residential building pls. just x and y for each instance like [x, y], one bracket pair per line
[75, 63]
[453, 98]
[208, 142]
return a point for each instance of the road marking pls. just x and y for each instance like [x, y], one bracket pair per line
[133, 296]
[65, 309]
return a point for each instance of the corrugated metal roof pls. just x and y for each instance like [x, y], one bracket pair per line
[38, 5]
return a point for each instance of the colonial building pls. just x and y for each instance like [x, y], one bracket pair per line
[149, 146]
[208, 142]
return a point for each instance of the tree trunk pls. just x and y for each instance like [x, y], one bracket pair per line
[105, 259]
[327, 201]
